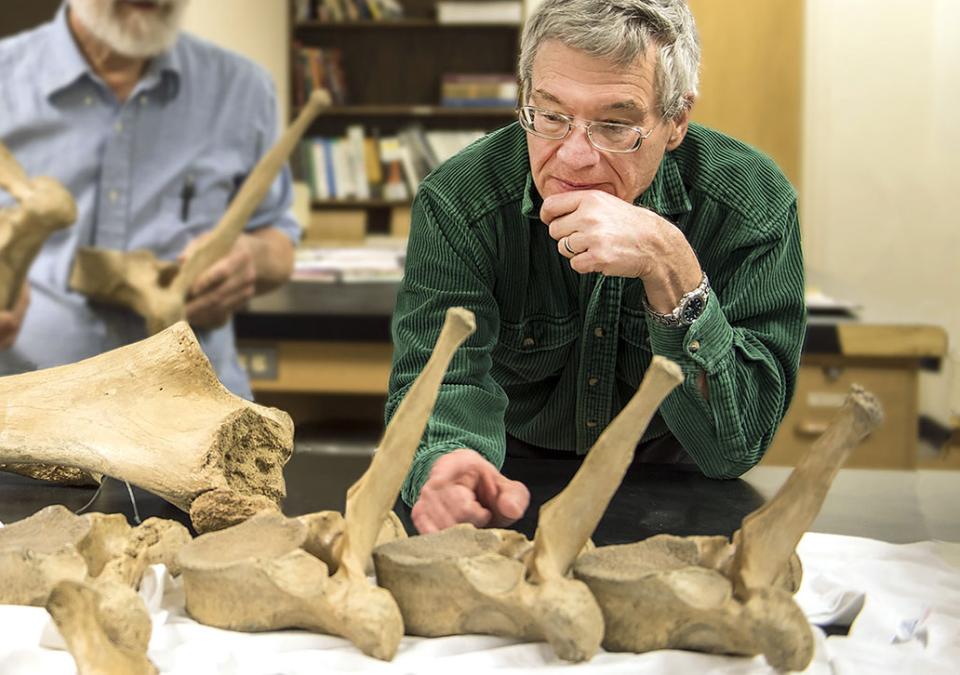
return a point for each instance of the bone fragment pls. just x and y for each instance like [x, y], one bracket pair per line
[86, 570]
[272, 572]
[157, 290]
[44, 206]
[769, 535]
[664, 593]
[464, 580]
[77, 609]
[154, 414]
[707, 594]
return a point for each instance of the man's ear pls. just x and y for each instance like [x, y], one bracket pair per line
[679, 125]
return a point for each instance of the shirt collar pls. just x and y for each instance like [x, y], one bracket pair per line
[64, 64]
[666, 195]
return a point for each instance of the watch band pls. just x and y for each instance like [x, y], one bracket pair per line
[687, 311]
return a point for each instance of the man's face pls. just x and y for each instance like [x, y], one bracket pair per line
[568, 81]
[134, 28]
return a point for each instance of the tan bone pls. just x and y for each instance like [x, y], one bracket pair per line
[708, 594]
[156, 289]
[464, 580]
[86, 570]
[154, 414]
[273, 572]
[44, 206]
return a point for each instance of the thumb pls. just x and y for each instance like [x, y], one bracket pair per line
[513, 498]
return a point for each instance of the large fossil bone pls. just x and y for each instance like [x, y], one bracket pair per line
[464, 580]
[157, 289]
[273, 572]
[86, 570]
[708, 594]
[154, 414]
[44, 206]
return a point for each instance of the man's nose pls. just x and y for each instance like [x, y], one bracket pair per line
[576, 150]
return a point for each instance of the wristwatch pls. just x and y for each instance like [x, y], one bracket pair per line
[689, 308]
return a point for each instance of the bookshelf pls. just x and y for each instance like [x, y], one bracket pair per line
[391, 76]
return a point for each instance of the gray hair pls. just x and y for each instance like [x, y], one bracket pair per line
[622, 30]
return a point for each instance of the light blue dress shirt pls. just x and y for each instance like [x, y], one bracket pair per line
[197, 121]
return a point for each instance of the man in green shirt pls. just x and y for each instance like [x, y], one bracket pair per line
[599, 230]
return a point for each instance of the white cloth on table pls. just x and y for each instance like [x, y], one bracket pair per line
[899, 587]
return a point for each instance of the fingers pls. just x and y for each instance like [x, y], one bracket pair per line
[11, 320]
[463, 487]
[560, 204]
[568, 247]
[512, 502]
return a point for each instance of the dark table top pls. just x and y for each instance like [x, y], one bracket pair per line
[652, 498]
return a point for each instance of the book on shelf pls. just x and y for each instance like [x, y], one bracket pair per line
[479, 90]
[346, 10]
[364, 165]
[507, 12]
[318, 68]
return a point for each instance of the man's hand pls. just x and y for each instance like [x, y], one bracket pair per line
[463, 487]
[224, 287]
[599, 232]
[11, 320]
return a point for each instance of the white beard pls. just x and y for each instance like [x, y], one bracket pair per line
[129, 31]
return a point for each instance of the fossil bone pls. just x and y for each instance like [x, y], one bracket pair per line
[86, 570]
[154, 414]
[273, 572]
[44, 206]
[157, 289]
[76, 608]
[464, 580]
[671, 592]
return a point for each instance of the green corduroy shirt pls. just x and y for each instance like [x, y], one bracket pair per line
[556, 354]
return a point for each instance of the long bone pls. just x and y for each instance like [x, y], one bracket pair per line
[708, 594]
[44, 206]
[273, 572]
[154, 414]
[157, 290]
[465, 580]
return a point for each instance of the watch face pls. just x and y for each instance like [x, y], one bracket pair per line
[692, 309]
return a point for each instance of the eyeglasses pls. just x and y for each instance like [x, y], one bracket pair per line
[605, 136]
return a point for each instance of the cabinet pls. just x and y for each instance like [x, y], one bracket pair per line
[392, 70]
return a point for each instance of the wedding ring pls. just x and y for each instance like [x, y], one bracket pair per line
[566, 245]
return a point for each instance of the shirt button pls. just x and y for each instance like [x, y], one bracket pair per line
[88, 100]
[114, 195]
[694, 346]
[598, 331]
[118, 127]
[593, 381]
[528, 342]
[143, 100]
[591, 423]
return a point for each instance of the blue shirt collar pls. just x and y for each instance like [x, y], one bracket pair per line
[65, 64]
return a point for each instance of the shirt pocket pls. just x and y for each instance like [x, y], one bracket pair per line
[535, 349]
[204, 212]
[635, 352]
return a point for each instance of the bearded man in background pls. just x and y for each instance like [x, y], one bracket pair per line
[152, 131]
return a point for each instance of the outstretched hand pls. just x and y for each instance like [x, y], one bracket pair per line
[463, 487]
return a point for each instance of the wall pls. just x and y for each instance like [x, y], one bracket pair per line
[258, 29]
[881, 196]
